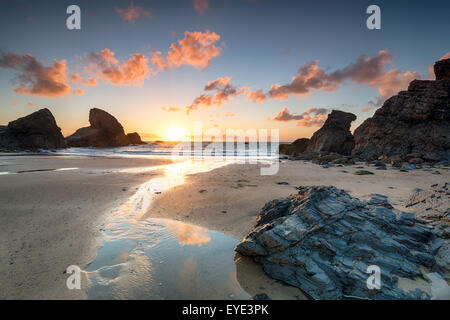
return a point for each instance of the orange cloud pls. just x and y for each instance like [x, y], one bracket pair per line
[130, 72]
[76, 78]
[313, 117]
[79, 92]
[196, 49]
[132, 13]
[30, 104]
[225, 90]
[201, 5]
[256, 96]
[36, 79]
[365, 70]
[171, 109]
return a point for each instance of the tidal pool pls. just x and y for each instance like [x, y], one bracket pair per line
[148, 258]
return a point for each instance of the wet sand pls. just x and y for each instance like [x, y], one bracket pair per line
[52, 219]
[228, 199]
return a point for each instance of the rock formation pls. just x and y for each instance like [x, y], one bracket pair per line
[104, 131]
[134, 138]
[322, 241]
[35, 131]
[414, 121]
[442, 69]
[335, 135]
[295, 148]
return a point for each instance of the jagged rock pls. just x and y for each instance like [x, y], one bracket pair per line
[414, 121]
[442, 69]
[322, 241]
[35, 131]
[295, 148]
[104, 131]
[335, 135]
[433, 205]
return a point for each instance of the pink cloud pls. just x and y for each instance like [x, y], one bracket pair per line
[225, 91]
[256, 96]
[133, 13]
[196, 49]
[201, 5]
[108, 68]
[366, 70]
[313, 117]
[36, 79]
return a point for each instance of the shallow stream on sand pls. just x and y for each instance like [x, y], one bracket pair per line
[148, 258]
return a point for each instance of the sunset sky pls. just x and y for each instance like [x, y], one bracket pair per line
[231, 63]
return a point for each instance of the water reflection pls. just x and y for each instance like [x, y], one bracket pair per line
[188, 234]
[165, 259]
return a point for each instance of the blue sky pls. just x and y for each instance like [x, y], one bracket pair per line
[262, 43]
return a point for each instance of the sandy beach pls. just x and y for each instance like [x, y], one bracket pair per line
[51, 219]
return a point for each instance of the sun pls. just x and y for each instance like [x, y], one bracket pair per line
[175, 134]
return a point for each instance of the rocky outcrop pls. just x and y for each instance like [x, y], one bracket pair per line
[322, 241]
[433, 206]
[442, 69]
[414, 121]
[294, 148]
[335, 135]
[35, 131]
[134, 138]
[104, 131]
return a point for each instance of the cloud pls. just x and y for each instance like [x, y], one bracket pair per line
[196, 49]
[201, 5]
[36, 79]
[256, 96]
[229, 114]
[30, 104]
[313, 117]
[79, 92]
[366, 70]
[374, 104]
[170, 109]
[76, 78]
[225, 91]
[130, 72]
[133, 13]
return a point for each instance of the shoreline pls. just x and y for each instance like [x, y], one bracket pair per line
[53, 219]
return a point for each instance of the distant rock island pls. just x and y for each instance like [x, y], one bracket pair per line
[415, 124]
[40, 131]
[104, 131]
[35, 131]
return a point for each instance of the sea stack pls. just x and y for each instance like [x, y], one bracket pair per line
[35, 131]
[104, 131]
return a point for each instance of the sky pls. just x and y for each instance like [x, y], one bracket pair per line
[158, 66]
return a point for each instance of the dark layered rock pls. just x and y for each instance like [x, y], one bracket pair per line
[322, 241]
[294, 148]
[35, 131]
[335, 135]
[414, 121]
[433, 206]
[104, 131]
[442, 69]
